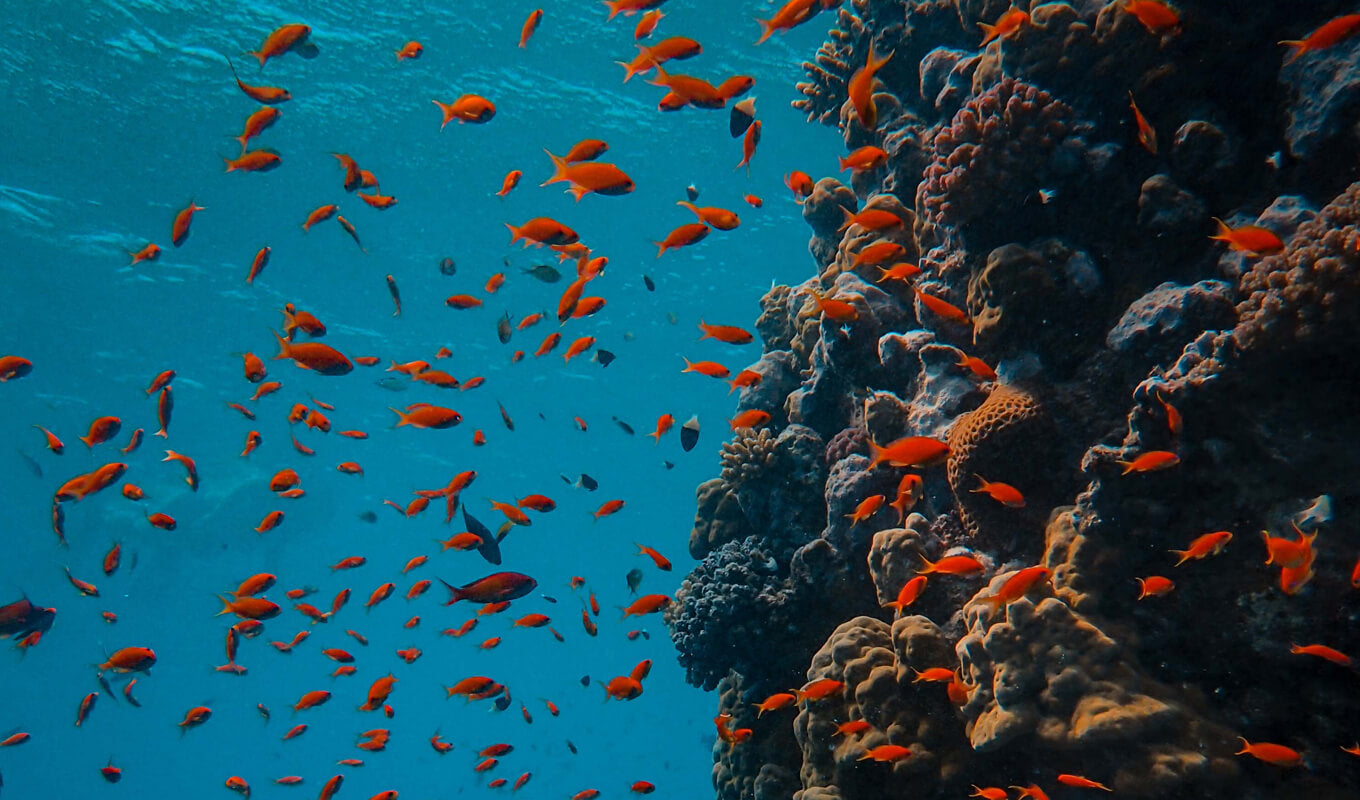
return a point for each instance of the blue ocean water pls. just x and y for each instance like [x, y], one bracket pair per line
[117, 115]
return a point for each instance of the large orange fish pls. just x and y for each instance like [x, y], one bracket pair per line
[861, 89]
[318, 357]
[591, 176]
[494, 588]
[1329, 34]
[288, 38]
[467, 108]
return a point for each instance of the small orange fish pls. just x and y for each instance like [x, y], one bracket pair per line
[647, 24]
[467, 108]
[607, 508]
[1330, 33]
[1322, 651]
[866, 509]
[908, 594]
[682, 236]
[833, 308]
[1154, 586]
[800, 183]
[1203, 546]
[1003, 493]
[150, 252]
[1275, 754]
[1068, 779]
[861, 89]
[411, 49]
[179, 230]
[909, 451]
[510, 181]
[262, 160]
[1250, 239]
[751, 418]
[530, 25]
[1157, 17]
[1147, 135]
[1005, 25]
[951, 565]
[662, 563]
[819, 689]
[1151, 461]
[1017, 586]
[865, 159]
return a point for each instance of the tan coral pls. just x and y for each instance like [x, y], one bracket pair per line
[748, 456]
[1009, 438]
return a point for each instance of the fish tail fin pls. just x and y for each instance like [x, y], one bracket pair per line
[87, 440]
[1223, 229]
[661, 248]
[844, 162]
[514, 233]
[260, 57]
[766, 29]
[285, 349]
[1246, 746]
[691, 207]
[1300, 47]
[929, 566]
[989, 32]
[402, 418]
[875, 64]
[875, 453]
[1184, 556]
[1127, 465]
[226, 606]
[454, 594]
[559, 168]
[849, 219]
[614, 7]
[709, 335]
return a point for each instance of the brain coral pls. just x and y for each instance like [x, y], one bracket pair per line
[1009, 438]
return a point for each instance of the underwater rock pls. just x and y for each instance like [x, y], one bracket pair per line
[1309, 295]
[1164, 207]
[718, 518]
[775, 323]
[1158, 325]
[779, 376]
[876, 662]
[947, 78]
[824, 210]
[1033, 298]
[1324, 100]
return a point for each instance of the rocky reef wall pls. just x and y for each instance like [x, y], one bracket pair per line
[1039, 299]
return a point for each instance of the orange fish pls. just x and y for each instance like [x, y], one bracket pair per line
[1068, 779]
[1003, 493]
[866, 509]
[269, 95]
[190, 468]
[1017, 586]
[1147, 136]
[889, 753]
[800, 183]
[710, 368]
[909, 451]
[1322, 651]
[320, 214]
[320, 358]
[607, 508]
[12, 367]
[647, 24]
[1203, 546]
[790, 15]
[647, 604]
[748, 145]
[719, 218]
[833, 308]
[411, 49]
[150, 252]
[976, 366]
[1156, 16]
[1330, 33]
[1275, 754]
[870, 219]
[819, 689]
[682, 236]
[53, 443]
[908, 594]
[864, 159]
[951, 565]
[861, 89]
[1154, 586]
[910, 490]
[542, 231]
[258, 122]
[941, 308]
[1005, 25]
[102, 430]
[753, 201]
[578, 347]
[510, 182]
[254, 161]
[1151, 461]
[467, 108]
[745, 378]
[1250, 239]
[288, 38]
[662, 563]
[179, 229]
[530, 25]
[751, 418]
[378, 201]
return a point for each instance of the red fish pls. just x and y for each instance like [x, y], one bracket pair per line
[288, 38]
[1005, 25]
[269, 95]
[179, 229]
[1330, 33]
[411, 49]
[861, 89]
[530, 25]
[467, 108]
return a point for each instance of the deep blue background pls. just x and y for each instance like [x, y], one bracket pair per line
[116, 114]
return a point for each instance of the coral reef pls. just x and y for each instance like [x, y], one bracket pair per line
[1064, 312]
